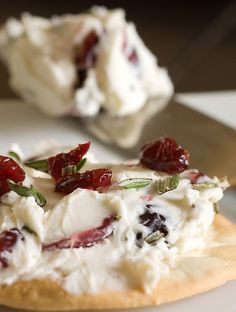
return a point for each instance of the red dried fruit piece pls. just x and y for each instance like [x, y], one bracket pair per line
[8, 239]
[9, 169]
[86, 57]
[195, 175]
[130, 52]
[62, 160]
[133, 56]
[4, 187]
[164, 155]
[85, 239]
[92, 180]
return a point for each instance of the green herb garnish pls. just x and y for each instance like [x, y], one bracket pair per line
[153, 238]
[27, 191]
[69, 170]
[167, 184]
[222, 183]
[204, 185]
[216, 207]
[41, 165]
[117, 218]
[14, 155]
[135, 183]
[26, 228]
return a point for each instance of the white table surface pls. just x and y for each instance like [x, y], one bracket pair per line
[218, 105]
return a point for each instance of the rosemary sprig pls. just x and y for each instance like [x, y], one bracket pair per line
[204, 185]
[69, 170]
[26, 228]
[153, 238]
[117, 218]
[222, 183]
[135, 183]
[167, 184]
[41, 165]
[27, 191]
[14, 155]
[216, 207]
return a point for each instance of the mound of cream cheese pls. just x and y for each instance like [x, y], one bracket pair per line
[183, 216]
[80, 64]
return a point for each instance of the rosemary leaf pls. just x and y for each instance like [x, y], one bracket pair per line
[204, 185]
[69, 170]
[41, 165]
[39, 198]
[135, 183]
[80, 165]
[117, 218]
[26, 228]
[167, 184]
[153, 238]
[216, 207]
[27, 191]
[14, 155]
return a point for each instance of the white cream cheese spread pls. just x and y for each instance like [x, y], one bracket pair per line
[80, 64]
[140, 245]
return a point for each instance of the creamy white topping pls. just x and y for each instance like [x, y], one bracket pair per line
[117, 81]
[122, 260]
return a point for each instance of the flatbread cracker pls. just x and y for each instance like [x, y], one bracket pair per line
[196, 272]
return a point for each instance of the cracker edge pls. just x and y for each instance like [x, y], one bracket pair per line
[47, 295]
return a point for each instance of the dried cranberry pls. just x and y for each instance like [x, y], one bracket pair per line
[86, 57]
[8, 239]
[9, 169]
[62, 160]
[133, 56]
[194, 176]
[92, 180]
[85, 239]
[154, 221]
[130, 53]
[4, 187]
[164, 155]
[82, 75]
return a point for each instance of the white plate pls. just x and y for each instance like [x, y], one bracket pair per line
[23, 124]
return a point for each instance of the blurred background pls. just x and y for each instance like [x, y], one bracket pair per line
[195, 40]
